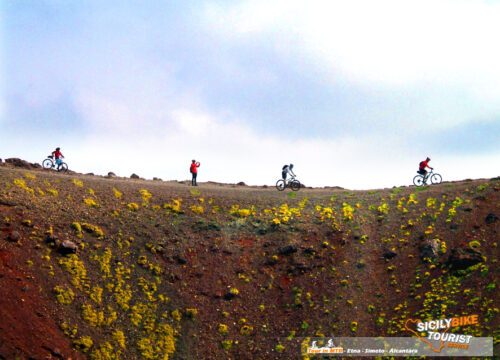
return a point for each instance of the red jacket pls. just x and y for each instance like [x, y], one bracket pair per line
[57, 154]
[194, 167]
[423, 165]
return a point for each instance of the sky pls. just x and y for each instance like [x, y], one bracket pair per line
[353, 93]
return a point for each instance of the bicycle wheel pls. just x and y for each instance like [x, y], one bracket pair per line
[280, 185]
[418, 180]
[295, 185]
[47, 164]
[436, 179]
[63, 167]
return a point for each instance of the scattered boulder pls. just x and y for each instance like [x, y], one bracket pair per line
[14, 236]
[389, 254]
[310, 251]
[157, 179]
[288, 250]
[461, 259]
[180, 259]
[90, 174]
[67, 247]
[111, 174]
[241, 183]
[271, 261]
[491, 218]
[51, 240]
[230, 294]
[19, 163]
[429, 249]
[134, 176]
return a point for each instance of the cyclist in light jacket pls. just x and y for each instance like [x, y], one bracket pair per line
[287, 169]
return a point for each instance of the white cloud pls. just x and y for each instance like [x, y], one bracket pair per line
[434, 51]
[232, 152]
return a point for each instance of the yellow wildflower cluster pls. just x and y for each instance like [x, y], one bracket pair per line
[146, 195]
[90, 202]
[104, 261]
[119, 338]
[105, 352]
[401, 205]
[83, 344]
[76, 267]
[133, 207]
[236, 211]
[52, 192]
[64, 295]
[93, 229]
[96, 294]
[78, 228]
[29, 176]
[122, 291]
[198, 210]
[383, 209]
[117, 194]
[431, 202]
[96, 318]
[452, 211]
[348, 211]
[326, 213]
[22, 184]
[411, 200]
[175, 207]
[159, 345]
[143, 261]
[222, 329]
[77, 182]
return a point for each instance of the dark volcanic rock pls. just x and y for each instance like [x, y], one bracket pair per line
[19, 163]
[134, 176]
[288, 250]
[180, 259]
[461, 259]
[491, 218]
[241, 183]
[14, 236]
[389, 254]
[229, 295]
[111, 174]
[429, 249]
[67, 247]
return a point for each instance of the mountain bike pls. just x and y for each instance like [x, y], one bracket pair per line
[420, 180]
[50, 163]
[293, 183]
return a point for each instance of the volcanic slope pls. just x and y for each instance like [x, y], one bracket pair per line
[98, 268]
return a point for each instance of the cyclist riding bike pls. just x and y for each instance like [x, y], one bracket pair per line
[287, 169]
[57, 154]
[421, 168]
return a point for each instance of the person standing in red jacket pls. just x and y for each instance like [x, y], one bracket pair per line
[421, 168]
[57, 154]
[194, 172]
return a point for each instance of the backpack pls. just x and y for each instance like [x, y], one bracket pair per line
[284, 167]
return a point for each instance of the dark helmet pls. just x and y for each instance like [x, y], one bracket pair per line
[428, 159]
[57, 149]
[193, 160]
[291, 165]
